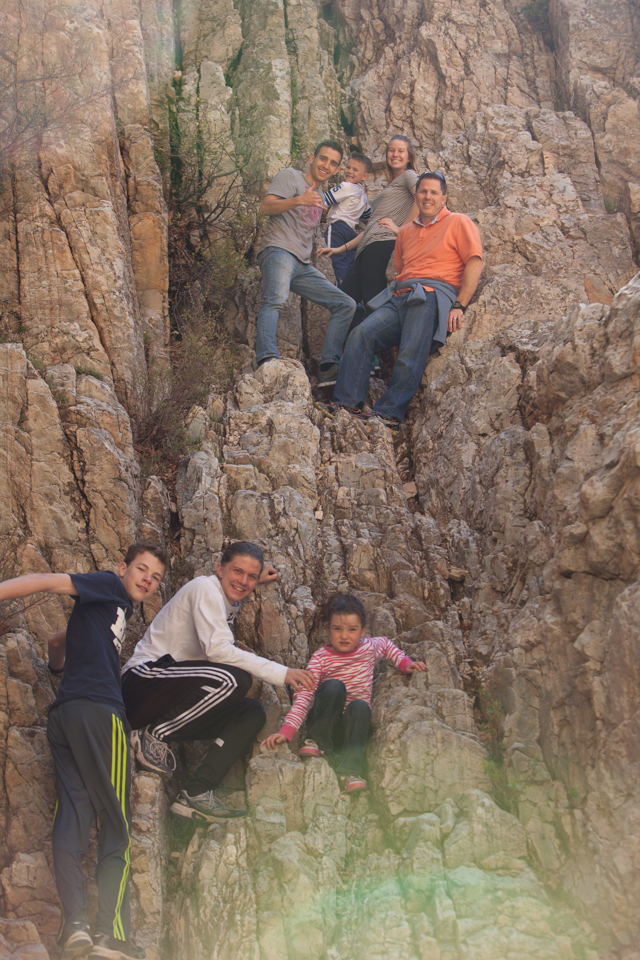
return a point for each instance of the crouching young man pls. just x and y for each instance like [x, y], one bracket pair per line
[188, 681]
[89, 739]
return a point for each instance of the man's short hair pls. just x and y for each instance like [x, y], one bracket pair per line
[243, 548]
[432, 175]
[365, 161]
[331, 144]
[144, 546]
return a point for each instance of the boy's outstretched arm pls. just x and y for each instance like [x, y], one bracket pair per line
[31, 583]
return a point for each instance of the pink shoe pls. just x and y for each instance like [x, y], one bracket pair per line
[352, 784]
[310, 749]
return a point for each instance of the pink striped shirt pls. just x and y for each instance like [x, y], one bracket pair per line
[355, 669]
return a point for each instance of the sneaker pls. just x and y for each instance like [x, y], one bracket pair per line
[376, 369]
[152, 753]
[112, 949]
[265, 360]
[352, 784]
[203, 807]
[75, 941]
[390, 423]
[326, 378]
[310, 749]
[329, 409]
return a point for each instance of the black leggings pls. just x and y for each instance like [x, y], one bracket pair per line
[367, 277]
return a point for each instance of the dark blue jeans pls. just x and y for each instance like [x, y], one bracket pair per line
[339, 731]
[339, 233]
[409, 326]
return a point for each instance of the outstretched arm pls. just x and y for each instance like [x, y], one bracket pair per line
[31, 583]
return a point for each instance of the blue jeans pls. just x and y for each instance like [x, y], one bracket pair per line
[409, 326]
[282, 273]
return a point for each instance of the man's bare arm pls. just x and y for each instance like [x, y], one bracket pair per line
[31, 583]
[272, 205]
[468, 284]
[57, 647]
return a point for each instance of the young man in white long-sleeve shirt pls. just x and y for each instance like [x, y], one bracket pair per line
[188, 681]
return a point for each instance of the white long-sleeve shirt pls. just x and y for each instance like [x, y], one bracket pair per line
[194, 625]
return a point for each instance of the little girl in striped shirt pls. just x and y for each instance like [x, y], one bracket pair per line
[340, 714]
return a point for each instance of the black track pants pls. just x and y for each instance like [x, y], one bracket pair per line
[195, 700]
[90, 746]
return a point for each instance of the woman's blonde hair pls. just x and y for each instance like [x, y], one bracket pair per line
[411, 165]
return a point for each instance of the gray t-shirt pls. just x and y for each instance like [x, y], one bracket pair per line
[293, 230]
[395, 201]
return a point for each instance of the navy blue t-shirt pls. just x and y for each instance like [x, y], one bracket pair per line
[94, 639]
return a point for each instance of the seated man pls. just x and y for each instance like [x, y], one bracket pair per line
[294, 205]
[438, 261]
[187, 681]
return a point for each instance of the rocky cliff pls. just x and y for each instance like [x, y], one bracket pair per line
[498, 538]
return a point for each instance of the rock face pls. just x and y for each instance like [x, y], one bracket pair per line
[497, 539]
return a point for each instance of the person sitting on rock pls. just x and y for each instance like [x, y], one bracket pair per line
[89, 739]
[294, 205]
[340, 715]
[438, 261]
[186, 680]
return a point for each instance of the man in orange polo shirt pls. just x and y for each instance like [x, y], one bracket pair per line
[438, 261]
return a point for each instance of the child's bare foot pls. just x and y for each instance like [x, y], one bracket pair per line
[352, 784]
[310, 749]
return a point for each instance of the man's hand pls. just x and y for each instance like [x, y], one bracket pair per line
[300, 679]
[470, 279]
[310, 198]
[417, 665]
[454, 321]
[271, 741]
[268, 574]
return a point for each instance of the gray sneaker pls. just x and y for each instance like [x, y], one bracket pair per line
[326, 378]
[203, 807]
[75, 941]
[151, 753]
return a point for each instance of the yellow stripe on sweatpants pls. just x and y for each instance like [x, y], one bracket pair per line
[119, 761]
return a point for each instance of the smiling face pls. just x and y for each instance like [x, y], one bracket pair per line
[430, 198]
[398, 156]
[142, 576]
[345, 632]
[238, 577]
[324, 164]
[355, 171]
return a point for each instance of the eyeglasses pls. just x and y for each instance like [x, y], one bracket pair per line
[432, 173]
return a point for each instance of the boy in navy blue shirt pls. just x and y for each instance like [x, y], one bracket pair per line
[89, 739]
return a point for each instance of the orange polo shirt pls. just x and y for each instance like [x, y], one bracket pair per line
[438, 249]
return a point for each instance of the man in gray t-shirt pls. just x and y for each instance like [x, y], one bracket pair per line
[295, 206]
